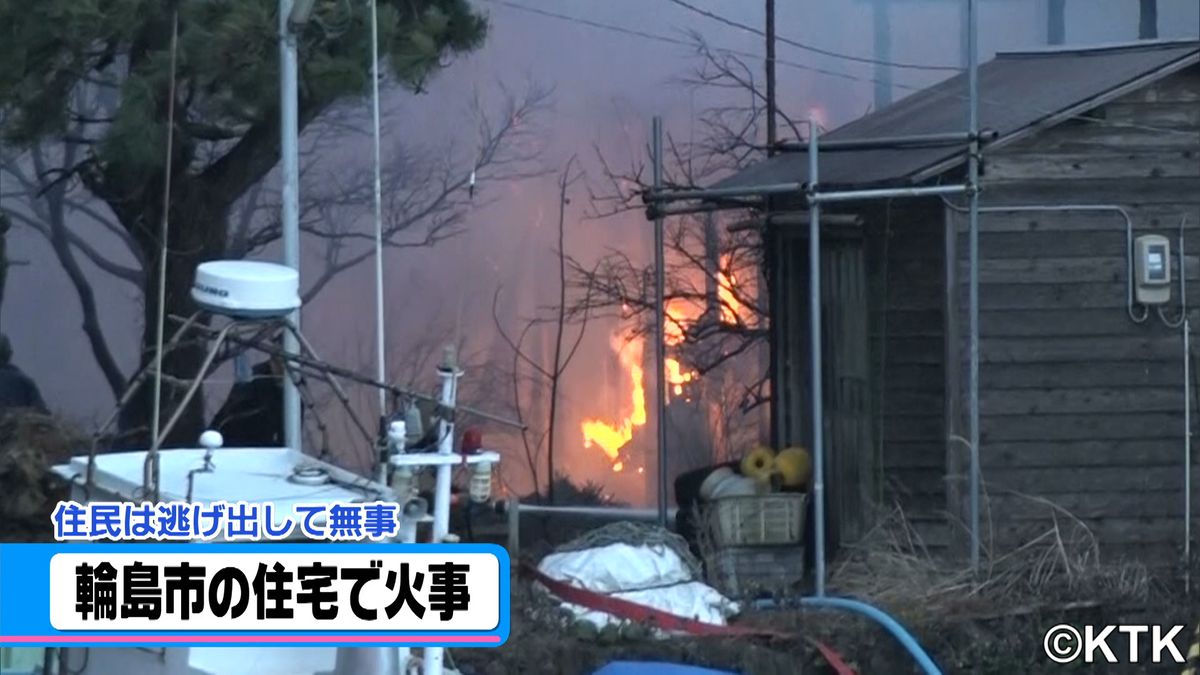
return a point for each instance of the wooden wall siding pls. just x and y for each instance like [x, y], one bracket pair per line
[1079, 405]
[851, 471]
[848, 385]
[905, 260]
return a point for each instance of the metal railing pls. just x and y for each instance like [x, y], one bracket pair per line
[513, 508]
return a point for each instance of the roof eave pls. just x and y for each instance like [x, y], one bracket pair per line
[1068, 113]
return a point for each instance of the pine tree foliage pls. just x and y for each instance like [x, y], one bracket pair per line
[228, 73]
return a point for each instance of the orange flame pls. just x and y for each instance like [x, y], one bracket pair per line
[611, 438]
[679, 314]
[677, 377]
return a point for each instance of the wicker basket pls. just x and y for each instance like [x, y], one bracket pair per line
[763, 520]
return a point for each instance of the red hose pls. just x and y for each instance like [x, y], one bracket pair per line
[632, 611]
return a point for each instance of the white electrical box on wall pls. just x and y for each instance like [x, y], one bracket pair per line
[1152, 269]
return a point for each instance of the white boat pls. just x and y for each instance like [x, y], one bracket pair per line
[239, 474]
[282, 476]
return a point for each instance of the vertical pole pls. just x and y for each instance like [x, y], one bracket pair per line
[814, 337]
[449, 372]
[1148, 20]
[973, 180]
[1187, 453]
[380, 342]
[289, 126]
[771, 260]
[1056, 21]
[1187, 413]
[660, 342]
[514, 528]
[953, 380]
[883, 53]
[771, 133]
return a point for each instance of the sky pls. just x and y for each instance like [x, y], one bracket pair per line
[608, 81]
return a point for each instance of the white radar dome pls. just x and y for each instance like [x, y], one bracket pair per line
[246, 288]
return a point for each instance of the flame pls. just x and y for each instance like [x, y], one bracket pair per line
[677, 377]
[611, 438]
[679, 314]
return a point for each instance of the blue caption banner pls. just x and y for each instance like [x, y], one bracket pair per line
[254, 594]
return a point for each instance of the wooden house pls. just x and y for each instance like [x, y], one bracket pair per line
[1082, 400]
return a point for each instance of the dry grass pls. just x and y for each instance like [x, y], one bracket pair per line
[1061, 567]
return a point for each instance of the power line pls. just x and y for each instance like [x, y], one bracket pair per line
[676, 41]
[800, 45]
[823, 71]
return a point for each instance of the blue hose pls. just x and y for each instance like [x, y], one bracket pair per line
[875, 614]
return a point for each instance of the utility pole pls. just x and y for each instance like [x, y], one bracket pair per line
[883, 53]
[1148, 20]
[771, 133]
[768, 236]
[1056, 22]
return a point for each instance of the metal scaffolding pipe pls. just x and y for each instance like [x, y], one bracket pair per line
[687, 210]
[973, 183]
[814, 327]
[660, 328]
[658, 195]
[1032, 208]
[886, 193]
[894, 142]
[613, 512]
[1104, 208]
[513, 509]
[289, 128]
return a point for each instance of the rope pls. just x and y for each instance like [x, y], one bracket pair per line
[164, 227]
[636, 534]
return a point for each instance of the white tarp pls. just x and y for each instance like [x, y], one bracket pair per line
[652, 576]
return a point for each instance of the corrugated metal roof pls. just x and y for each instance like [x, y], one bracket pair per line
[1016, 90]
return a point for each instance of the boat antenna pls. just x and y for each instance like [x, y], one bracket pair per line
[151, 472]
[380, 338]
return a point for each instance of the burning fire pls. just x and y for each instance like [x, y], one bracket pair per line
[677, 377]
[681, 314]
[611, 438]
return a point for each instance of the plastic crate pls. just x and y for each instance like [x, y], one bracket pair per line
[748, 571]
[763, 520]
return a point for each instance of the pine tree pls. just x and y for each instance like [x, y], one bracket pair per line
[100, 69]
